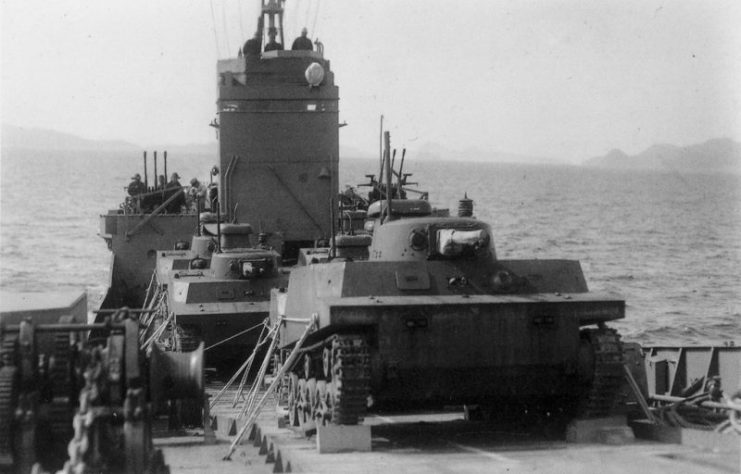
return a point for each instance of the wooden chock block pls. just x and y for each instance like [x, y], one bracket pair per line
[342, 438]
[608, 430]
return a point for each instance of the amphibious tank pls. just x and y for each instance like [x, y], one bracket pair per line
[216, 292]
[434, 317]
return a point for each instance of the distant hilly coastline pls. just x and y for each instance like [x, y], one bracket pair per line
[437, 152]
[719, 155]
[14, 137]
[39, 139]
[22, 138]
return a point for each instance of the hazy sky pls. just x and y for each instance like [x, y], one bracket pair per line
[566, 79]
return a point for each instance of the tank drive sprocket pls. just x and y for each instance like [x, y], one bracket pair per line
[602, 355]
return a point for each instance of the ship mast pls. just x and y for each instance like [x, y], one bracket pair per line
[271, 9]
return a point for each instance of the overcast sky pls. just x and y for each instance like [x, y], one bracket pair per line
[562, 79]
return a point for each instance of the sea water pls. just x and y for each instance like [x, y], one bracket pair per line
[669, 243]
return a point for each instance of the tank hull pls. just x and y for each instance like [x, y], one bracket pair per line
[456, 350]
[218, 331]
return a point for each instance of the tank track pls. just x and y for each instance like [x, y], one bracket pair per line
[7, 349]
[7, 411]
[332, 385]
[350, 379]
[604, 393]
[188, 338]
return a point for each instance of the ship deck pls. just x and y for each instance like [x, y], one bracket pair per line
[438, 442]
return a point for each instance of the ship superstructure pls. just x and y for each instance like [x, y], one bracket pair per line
[278, 161]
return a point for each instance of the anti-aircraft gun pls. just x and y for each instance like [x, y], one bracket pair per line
[81, 405]
[434, 317]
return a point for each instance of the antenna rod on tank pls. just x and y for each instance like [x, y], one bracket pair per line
[156, 180]
[218, 228]
[379, 183]
[380, 151]
[164, 158]
[146, 180]
[198, 215]
[401, 168]
[387, 137]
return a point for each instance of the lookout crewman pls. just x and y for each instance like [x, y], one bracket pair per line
[174, 183]
[196, 194]
[251, 47]
[272, 44]
[174, 187]
[302, 43]
[136, 187]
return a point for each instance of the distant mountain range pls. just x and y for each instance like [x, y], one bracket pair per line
[41, 139]
[719, 155]
[437, 152]
[14, 137]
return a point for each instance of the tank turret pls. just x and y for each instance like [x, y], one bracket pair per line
[217, 292]
[432, 238]
[245, 264]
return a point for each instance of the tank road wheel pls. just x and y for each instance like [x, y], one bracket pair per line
[301, 402]
[306, 389]
[322, 407]
[601, 371]
[308, 372]
[310, 394]
[293, 398]
[327, 363]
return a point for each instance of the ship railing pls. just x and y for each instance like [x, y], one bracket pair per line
[690, 387]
